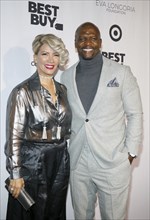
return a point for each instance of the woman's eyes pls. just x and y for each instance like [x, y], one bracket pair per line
[56, 54]
[46, 54]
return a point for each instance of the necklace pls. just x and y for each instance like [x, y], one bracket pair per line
[44, 135]
[55, 93]
[57, 133]
[45, 77]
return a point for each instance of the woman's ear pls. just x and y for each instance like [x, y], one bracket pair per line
[35, 58]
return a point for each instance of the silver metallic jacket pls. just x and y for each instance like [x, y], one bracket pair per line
[29, 109]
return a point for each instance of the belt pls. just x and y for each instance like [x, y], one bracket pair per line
[56, 141]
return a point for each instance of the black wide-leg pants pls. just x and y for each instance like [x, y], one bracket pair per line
[46, 169]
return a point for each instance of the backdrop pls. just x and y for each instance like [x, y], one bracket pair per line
[124, 27]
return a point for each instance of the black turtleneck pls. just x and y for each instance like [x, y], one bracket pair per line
[87, 78]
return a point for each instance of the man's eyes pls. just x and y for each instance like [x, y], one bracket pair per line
[86, 39]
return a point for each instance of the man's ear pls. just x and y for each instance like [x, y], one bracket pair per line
[100, 43]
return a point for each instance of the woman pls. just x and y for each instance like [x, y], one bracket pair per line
[38, 125]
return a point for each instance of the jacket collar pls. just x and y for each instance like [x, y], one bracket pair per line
[34, 83]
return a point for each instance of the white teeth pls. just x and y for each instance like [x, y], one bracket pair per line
[49, 66]
[87, 50]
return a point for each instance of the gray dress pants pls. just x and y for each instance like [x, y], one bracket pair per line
[90, 181]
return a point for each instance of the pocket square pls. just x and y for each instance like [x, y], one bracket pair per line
[113, 83]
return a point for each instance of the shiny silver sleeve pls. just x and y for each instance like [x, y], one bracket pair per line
[15, 128]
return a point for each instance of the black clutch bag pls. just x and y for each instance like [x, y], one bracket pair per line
[24, 198]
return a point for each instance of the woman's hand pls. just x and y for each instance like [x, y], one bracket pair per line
[15, 186]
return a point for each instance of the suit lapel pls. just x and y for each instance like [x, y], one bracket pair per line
[105, 74]
[104, 79]
[75, 90]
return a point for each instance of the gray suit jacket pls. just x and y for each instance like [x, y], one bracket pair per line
[113, 125]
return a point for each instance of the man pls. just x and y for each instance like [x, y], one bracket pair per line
[106, 128]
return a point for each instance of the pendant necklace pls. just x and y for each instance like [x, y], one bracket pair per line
[58, 131]
[44, 134]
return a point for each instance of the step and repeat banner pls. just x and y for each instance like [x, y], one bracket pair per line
[124, 27]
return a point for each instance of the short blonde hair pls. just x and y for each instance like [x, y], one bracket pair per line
[54, 43]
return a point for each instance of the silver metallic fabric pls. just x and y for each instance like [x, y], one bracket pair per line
[26, 114]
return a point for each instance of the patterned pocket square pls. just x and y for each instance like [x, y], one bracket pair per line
[113, 83]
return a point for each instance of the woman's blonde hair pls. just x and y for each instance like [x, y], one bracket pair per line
[54, 43]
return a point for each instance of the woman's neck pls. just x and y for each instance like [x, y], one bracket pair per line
[48, 83]
[45, 76]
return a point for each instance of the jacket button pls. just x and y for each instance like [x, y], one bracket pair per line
[87, 120]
